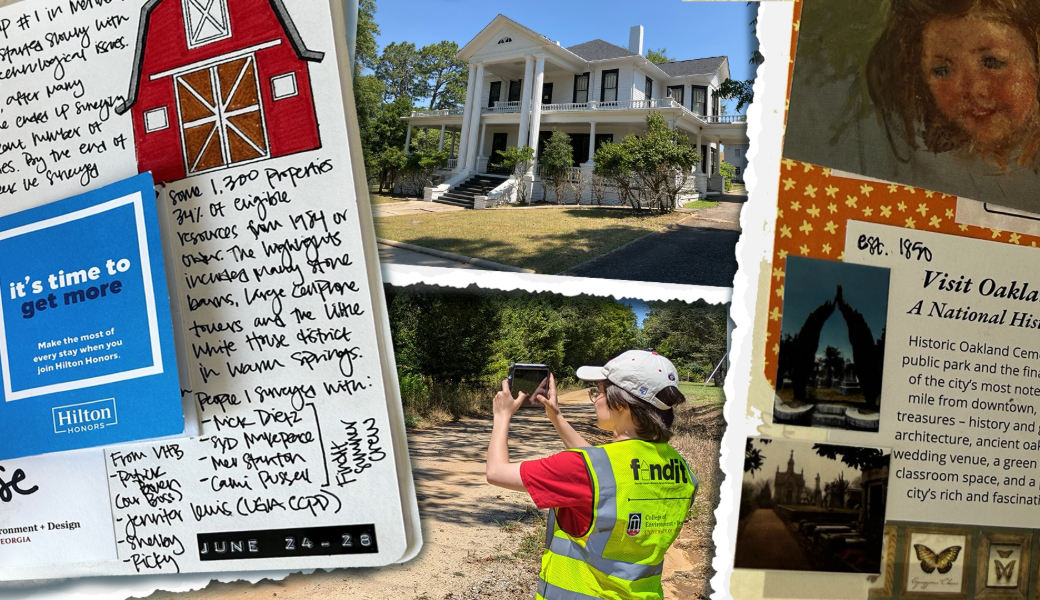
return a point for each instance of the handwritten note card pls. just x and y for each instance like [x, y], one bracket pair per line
[236, 107]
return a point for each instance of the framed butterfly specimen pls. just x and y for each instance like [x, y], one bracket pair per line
[936, 562]
[1003, 564]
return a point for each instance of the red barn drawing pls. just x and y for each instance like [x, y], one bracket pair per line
[218, 83]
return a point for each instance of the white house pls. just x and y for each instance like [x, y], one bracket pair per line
[522, 82]
[736, 155]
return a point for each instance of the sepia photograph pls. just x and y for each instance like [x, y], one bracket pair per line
[832, 345]
[812, 507]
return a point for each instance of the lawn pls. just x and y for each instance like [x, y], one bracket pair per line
[701, 204]
[548, 240]
[377, 198]
[698, 393]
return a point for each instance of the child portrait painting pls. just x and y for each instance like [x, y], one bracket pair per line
[939, 94]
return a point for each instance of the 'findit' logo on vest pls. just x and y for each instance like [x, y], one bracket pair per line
[645, 472]
[635, 524]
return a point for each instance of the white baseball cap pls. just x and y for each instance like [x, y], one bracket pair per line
[638, 372]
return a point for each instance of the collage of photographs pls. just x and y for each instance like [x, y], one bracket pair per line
[448, 301]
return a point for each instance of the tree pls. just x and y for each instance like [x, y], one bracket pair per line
[753, 457]
[421, 166]
[856, 457]
[382, 130]
[728, 172]
[366, 50]
[581, 180]
[614, 165]
[398, 69]
[445, 77]
[661, 162]
[741, 91]
[658, 56]
[689, 333]
[389, 164]
[556, 160]
[446, 336]
[834, 362]
[599, 185]
[518, 159]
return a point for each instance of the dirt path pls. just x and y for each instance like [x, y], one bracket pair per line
[764, 542]
[479, 541]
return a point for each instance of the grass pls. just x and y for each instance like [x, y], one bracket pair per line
[701, 204]
[376, 198]
[547, 240]
[435, 402]
[700, 394]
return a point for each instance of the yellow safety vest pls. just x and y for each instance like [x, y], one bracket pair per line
[642, 493]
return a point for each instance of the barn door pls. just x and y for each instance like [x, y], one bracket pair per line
[222, 122]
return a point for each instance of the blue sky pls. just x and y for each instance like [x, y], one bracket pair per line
[638, 306]
[808, 283]
[687, 29]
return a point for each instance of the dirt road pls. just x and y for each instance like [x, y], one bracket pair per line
[479, 541]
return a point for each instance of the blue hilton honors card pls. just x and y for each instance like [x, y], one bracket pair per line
[86, 341]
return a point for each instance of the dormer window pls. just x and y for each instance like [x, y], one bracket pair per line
[205, 21]
[505, 40]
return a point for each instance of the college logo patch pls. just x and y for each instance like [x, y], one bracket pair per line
[635, 524]
[671, 377]
[643, 390]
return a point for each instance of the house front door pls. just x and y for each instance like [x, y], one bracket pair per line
[498, 142]
[547, 93]
[222, 120]
[580, 145]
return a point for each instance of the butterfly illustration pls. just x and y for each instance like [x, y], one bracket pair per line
[1005, 553]
[1004, 570]
[930, 561]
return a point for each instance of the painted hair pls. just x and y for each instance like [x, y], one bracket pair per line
[652, 423]
[896, 83]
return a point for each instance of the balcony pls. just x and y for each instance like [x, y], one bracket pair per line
[725, 119]
[447, 112]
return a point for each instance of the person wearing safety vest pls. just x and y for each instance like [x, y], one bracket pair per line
[615, 508]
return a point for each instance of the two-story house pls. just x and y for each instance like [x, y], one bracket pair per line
[523, 86]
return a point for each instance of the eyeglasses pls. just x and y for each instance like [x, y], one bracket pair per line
[594, 393]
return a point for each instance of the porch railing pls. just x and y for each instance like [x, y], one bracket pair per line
[452, 163]
[503, 107]
[725, 118]
[447, 112]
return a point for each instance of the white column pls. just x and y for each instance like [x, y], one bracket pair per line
[699, 149]
[440, 144]
[711, 162]
[525, 103]
[474, 121]
[466, 113]
[483, 134]
[408, 141]
[592, 139]
[536, 111]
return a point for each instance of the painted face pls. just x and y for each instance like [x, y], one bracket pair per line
[983, 76]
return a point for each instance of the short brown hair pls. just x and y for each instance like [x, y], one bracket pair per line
[652, 424]
[893, 75]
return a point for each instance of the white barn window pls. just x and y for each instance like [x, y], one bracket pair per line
[206, 21]
[156, 120]
[284, 86]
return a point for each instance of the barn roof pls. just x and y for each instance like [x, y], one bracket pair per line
[280, 12]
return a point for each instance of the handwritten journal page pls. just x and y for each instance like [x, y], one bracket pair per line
[239, 110]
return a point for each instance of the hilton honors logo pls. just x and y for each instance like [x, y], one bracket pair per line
[86, 416]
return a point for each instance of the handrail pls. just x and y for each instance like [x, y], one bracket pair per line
[446, 112]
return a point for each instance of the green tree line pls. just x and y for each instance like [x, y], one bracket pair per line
[471, 337]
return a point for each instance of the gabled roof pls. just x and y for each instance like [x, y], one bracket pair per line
[600, 50]
[142, 37]
[697, 66]
[500, 21]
